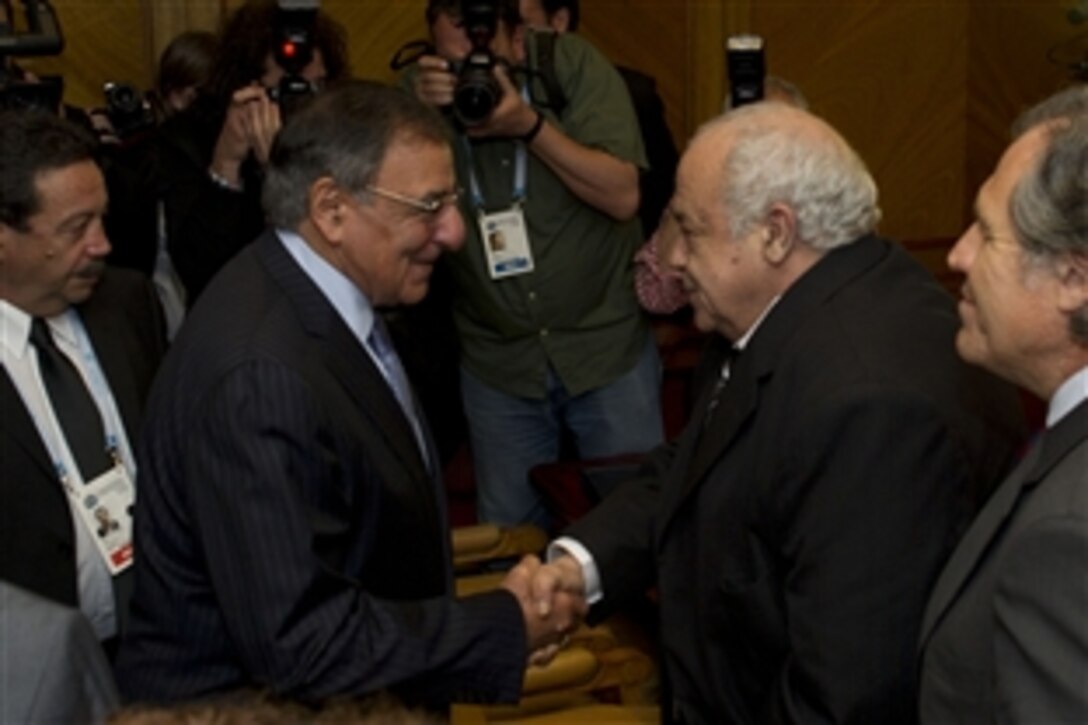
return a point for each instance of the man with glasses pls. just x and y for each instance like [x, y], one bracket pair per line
[292, 529]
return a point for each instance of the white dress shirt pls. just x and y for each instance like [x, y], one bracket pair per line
[20, 359]
[1068, 396]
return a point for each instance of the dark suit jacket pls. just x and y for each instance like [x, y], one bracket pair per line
[124, 323]
[290, 536]
[206, 225]
[795, 539]
[1005, 636]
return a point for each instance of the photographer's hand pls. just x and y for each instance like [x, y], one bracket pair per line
[434, 83]
[605, 182]
[263, 120]
[235, 140]
[512, 117]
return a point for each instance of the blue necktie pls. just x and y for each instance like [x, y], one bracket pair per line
[379, 343]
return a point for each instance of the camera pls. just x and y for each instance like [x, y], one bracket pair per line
[477, 92]
[746, 65]
[41, 37]
[127, 109]
[43, 95]
[293, 50]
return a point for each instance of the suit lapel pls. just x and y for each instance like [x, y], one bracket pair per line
[343, 355]
[19, 427]
[736, 404]
[112, 357]
[753, 368]
[992, 520]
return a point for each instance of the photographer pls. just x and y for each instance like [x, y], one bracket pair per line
[130, 121]
[212, 154]
[552, 338]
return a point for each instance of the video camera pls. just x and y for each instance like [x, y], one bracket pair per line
[294, 50]
[127, 109]
[42, 37]
[477, 92]
[747, 67]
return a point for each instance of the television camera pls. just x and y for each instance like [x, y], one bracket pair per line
[42, 37]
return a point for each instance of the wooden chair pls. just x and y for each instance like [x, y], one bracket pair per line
[487, 545]
[607, 673]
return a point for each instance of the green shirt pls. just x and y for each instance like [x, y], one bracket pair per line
[577, 310]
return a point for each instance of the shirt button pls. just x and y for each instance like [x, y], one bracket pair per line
[532, 296]
[544, 332]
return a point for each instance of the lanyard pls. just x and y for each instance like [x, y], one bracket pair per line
[520, 164]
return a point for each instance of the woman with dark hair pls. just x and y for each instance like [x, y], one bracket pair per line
[184, 68]
[212, 154]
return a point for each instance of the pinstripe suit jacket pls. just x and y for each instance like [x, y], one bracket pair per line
[1005, 635]
[290, 536]
[37, 542]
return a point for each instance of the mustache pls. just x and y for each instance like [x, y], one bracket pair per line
[92, 270]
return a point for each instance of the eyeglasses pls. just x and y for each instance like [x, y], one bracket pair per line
[430, 205]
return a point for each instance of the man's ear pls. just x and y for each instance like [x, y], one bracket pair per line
[327, 209]
[1072, 271]
[779, 234]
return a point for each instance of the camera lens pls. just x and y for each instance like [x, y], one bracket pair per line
[123, 99]
[477, 92]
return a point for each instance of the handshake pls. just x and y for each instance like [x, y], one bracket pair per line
[552, 599]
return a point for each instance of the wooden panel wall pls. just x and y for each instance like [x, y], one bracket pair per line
[105, 40]
[924, 89]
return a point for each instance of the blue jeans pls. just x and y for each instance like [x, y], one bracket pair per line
[510, 435]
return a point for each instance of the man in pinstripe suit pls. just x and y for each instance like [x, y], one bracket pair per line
[291, 525]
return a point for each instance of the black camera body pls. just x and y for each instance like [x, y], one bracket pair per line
[44, 95]
[127, 109]
[477, 92]
[42, 37]
[293, 50]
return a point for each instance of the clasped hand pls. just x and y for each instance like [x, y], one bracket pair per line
[552, 599]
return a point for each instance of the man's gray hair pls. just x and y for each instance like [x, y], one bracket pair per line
[342, 133]
[1049, 205]
[820, 178]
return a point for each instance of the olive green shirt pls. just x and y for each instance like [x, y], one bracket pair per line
[577, 309]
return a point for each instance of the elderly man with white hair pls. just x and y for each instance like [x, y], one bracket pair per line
[794, 529]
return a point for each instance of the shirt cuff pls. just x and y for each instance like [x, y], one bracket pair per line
[590, 577]
[222, 182]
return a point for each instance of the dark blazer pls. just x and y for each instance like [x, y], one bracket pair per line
[794, 540]
[290, 537]
[37, 552]
[206, 224]
[1005, 635]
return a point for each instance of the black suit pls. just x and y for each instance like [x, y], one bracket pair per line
[290, 536]
[38, 551]
[794, 539]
